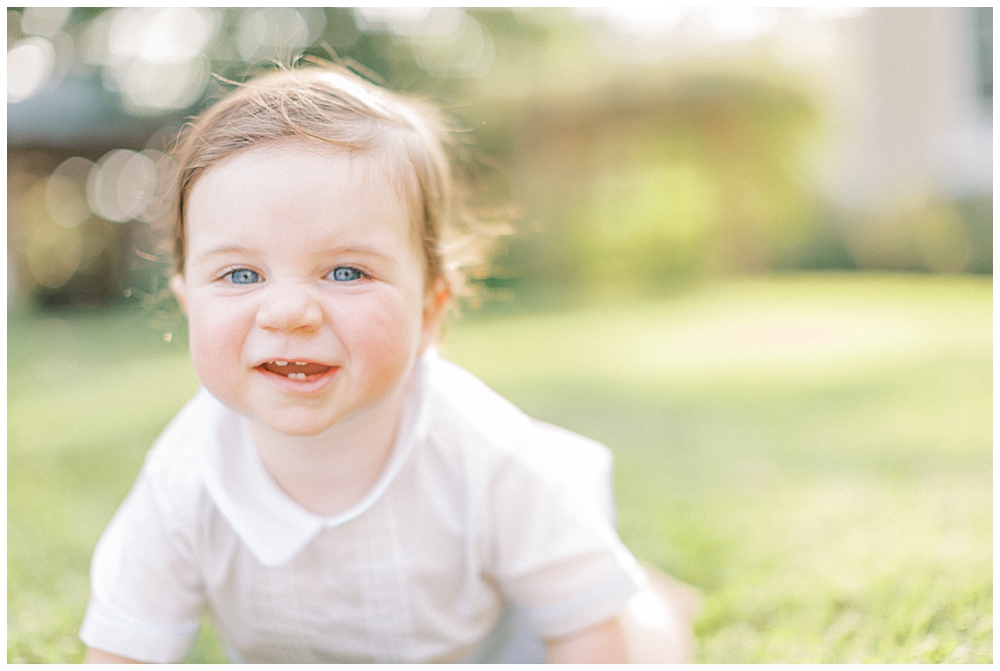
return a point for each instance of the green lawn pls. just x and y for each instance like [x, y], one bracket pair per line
[813, 452]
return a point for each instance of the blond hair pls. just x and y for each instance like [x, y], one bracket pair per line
[334, 106]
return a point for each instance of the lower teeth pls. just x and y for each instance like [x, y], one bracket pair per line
[296, 376]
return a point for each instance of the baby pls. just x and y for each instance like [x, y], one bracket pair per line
[335, 491]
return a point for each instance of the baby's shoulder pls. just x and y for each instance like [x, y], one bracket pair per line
[492, 434]
[463, 404]
[173, 466]
[465, 412]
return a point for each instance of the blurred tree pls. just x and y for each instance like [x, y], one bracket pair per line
[649, 174]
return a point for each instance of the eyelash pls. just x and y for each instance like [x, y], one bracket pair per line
[357, 274]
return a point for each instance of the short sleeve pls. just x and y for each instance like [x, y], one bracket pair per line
[556, 554]
[146, 596]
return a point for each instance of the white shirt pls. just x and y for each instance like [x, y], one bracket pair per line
[480, 512]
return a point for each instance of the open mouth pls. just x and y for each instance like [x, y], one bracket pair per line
[295, 370]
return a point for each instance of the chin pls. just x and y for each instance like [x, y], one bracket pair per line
[298, 420]
[299, 429]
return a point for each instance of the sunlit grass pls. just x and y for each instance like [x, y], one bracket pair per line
[814, 453]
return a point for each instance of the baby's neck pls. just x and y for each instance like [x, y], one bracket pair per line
[330, 472]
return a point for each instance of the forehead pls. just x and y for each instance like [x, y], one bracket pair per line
[300, 172]
[300, 188]
[293, 157]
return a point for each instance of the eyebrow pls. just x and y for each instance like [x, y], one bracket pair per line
[230, 249]
[220, 250]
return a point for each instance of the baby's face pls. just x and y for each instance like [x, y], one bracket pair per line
[303, 285]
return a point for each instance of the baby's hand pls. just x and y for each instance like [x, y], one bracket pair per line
[95, 656]
[602, 643]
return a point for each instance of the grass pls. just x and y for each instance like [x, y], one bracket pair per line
[814, 453]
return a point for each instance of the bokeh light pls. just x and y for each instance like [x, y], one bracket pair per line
[30, 64]
[399, 20]
[276, 32]
[445, 41]
[53, 252]
[122, 185]
[66, 192]
[154, 57]
[449, 42]
[44, 21]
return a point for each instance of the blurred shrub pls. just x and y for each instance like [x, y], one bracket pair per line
[939, 235]
[657, 188]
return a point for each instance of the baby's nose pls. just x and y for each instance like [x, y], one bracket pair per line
[290, 308]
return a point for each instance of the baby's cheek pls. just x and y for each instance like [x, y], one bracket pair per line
[213, 349]
[385, 343]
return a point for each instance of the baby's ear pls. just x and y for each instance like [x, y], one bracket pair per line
[436, 301]
[177, 286]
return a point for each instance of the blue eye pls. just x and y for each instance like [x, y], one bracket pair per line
[243, 276]
[345, 274]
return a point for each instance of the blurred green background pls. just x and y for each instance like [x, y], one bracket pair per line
[752, 254]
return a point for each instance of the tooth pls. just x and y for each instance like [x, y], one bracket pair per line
[296, 376]
[300, 363]
[280, 363]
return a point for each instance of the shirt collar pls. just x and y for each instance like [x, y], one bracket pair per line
[268, 521]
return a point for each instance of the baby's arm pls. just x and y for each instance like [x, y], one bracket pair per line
[146, 595]
[95, 656]
[602, 643]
